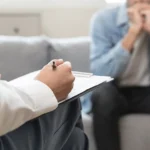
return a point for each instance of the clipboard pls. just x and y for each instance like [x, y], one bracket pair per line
[84, 83]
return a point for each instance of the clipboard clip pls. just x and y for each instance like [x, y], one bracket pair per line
[82, 74]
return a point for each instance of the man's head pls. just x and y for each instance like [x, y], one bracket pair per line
[133, 2]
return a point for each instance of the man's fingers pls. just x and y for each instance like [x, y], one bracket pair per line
[67, 66]
[59, 62]
[144, 12]
[140, 6]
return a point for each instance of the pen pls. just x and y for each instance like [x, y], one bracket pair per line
[54, 65]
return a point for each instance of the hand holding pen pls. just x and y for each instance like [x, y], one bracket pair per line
[57, 75]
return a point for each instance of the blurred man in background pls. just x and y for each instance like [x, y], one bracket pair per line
[120, 49]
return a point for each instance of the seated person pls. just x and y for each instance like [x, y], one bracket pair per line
[120, 49]
[31, 119]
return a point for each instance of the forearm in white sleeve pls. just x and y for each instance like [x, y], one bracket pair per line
[21, 104]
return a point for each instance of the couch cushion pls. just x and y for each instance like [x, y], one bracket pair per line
[75, 50]
[21, 55]
[135, 132]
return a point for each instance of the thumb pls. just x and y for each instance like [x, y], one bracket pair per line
[59, 62]
[66, 65]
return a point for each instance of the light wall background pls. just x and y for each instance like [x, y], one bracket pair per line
[59, 18]
[67, 22]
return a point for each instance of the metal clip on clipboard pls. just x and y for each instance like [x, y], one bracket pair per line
[82, 74]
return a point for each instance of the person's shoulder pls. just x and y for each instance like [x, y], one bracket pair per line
[106, 16]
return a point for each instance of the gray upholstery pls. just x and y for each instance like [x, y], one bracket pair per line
[75, 50]
[20, 55]
[135, 132]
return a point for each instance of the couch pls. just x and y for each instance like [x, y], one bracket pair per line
[20, 55]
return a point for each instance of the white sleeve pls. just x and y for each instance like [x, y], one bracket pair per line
[21, 104]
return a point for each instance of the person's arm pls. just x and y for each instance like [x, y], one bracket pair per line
[26, 101]
[107, 59]
[19, 106]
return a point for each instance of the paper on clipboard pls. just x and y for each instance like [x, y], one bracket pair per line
[84, 83]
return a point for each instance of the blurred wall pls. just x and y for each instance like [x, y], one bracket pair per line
[59, 18]
[67, 22]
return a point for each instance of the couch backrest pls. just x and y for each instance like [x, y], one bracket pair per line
[20, 55]
[75, 50]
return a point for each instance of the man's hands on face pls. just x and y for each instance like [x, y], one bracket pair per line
[146, 24]
[139, 15]
[135, 18]
[60, 80]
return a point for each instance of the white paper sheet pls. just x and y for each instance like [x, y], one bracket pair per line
[84, 82]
